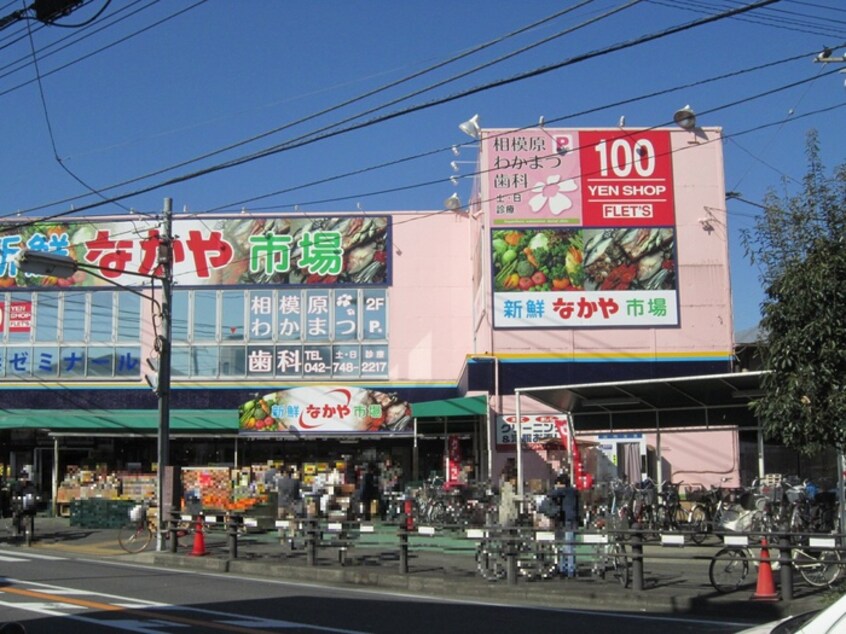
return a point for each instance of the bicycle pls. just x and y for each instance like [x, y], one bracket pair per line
[709, 511]
[819, 567]
[135, 536]
[729, 568]
[536, 559]
[670, 516]
[19, 519]
[609, 557]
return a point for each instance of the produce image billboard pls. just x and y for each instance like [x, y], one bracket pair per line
[557, 278]
[583, 228]
[319, 411]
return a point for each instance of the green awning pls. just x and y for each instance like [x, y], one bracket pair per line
[119, 420]
[451, 407]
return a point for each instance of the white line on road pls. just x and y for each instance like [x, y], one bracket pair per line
[30, 555]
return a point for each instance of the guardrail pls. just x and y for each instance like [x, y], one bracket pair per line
[529, 552]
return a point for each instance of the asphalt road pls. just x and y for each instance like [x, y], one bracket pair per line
[58, 593]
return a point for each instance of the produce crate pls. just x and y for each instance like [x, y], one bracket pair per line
[100, 513]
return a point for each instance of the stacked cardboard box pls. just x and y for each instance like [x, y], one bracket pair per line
[212, 484]
[138, 487]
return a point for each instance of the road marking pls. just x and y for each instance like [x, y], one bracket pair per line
[12, 559]
[49, 602]
[30, 555]
[100, 548]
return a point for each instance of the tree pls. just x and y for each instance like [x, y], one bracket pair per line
[799, 243]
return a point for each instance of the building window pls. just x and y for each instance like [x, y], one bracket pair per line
[293, 334]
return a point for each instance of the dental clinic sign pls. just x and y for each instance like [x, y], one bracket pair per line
[583, 227]
[610, 178]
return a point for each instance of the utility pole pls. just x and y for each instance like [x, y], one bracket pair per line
[163, 346]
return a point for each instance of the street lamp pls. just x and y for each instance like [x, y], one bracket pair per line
[62, 266]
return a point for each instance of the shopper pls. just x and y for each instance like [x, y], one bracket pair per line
[508, 494]
[24, 501]
[564, 498]
[288, 494]
[368, 490]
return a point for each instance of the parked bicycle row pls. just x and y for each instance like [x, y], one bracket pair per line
[508, 554]
[769, 504]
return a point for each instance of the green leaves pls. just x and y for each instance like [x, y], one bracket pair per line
[800, 244]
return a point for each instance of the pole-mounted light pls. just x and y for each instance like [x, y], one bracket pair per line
[685, 118]
[471, 127]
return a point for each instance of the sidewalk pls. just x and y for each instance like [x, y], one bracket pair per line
[440, 568]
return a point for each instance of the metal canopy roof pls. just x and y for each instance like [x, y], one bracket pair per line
[690, 401]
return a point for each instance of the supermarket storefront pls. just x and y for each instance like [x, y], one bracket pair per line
[109, 453]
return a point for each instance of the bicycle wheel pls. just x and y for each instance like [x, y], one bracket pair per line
[699, 524]
[619, 564]
[661, 520]
[490, 561]
[679, 518]
[437, 513]
[728, 570]
[7, 524]
[538, 562]
[819, 568]
[135, 537]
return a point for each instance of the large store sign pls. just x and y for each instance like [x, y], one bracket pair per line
[583, 228]
[320, 411]
[231, 251]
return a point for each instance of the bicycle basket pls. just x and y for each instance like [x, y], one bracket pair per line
[736, 521]
[649, 496]
[136, 513]
[795, 495]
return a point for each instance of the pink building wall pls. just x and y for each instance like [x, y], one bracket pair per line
[430, 325]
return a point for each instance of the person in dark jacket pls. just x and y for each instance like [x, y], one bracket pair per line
[565, 497]
[368, 490]
[288, 492]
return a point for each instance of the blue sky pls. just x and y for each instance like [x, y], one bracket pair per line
[148, 85]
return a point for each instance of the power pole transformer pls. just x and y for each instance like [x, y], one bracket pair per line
[49, 10]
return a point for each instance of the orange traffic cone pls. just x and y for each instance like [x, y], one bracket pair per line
[199, 540]
[765, 590]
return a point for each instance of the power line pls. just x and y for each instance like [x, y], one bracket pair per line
[558, 119]
[519, 77]
[106, 47]
[73, 39]
[770, 17]
[49, 124]
[364, 96]
[495, 84]
[663, 124]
